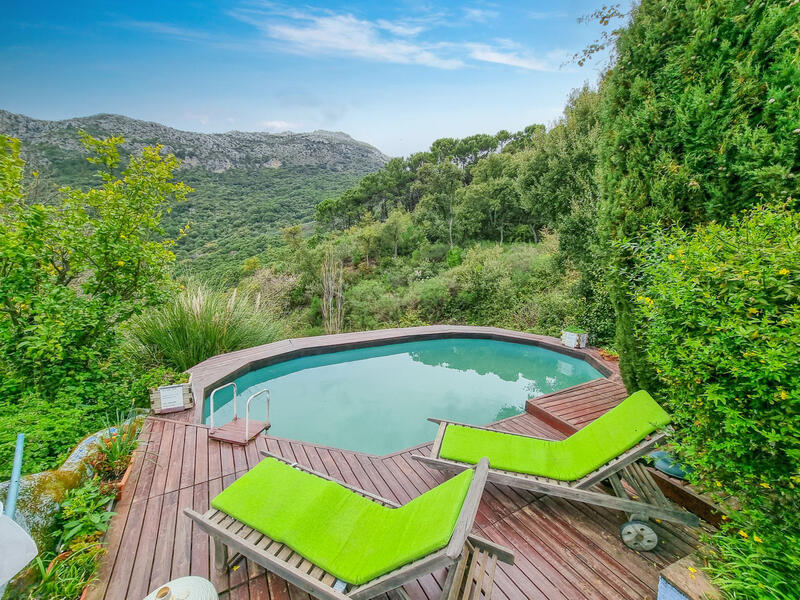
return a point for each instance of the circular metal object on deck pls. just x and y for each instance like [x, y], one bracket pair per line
[638, 535]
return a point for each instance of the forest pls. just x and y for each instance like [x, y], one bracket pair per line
[659, 213]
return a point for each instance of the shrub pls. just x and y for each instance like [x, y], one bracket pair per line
[73, 272]
[63, 574]
[196, 324]
[699, 121]
[369, 305]
[114, 451]
[721, 331]
[83, 513]
[68, 575]
[454, 256]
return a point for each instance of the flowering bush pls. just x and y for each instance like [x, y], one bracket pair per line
[722, 330]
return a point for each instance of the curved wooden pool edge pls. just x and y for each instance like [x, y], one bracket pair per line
[224, 368]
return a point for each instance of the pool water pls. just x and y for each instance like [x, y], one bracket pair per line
[377, 400]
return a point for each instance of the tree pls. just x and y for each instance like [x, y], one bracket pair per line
[491, 203]
[71, 273]
[437, 207]
[332, 292]
[699, 121]
[367, 234]
[394, 227]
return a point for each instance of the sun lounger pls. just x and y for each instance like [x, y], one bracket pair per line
[605, 450]
[336, 541]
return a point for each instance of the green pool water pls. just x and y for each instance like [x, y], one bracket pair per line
[377, 399]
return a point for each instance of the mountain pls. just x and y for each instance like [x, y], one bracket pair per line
[247, 184]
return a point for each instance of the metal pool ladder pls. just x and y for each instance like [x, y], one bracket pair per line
[238, 431]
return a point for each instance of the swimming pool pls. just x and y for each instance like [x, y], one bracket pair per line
[377, 399]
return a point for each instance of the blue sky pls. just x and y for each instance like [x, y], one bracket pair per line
[396, 74]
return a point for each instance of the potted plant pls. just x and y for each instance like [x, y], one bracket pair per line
[574, 337]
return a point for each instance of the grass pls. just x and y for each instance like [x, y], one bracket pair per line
[198, 323]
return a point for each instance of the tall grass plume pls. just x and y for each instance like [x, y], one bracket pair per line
[199, 323]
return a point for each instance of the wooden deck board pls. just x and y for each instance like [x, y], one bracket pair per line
[565, 550]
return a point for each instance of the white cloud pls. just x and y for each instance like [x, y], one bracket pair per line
[279, 125]
[346, 35]
[313, 32]
[484, 53]
[398, 28]
[481, 15]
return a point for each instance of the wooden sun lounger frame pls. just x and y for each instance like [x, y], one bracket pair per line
[652, 504]
[471, 559]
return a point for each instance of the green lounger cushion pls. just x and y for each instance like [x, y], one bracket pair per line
[605, 438]
[346, 534]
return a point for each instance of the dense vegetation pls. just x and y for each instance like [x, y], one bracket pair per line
[700, 115]
[417, 218]
[257, 204]
[721, 328]
[700, 118]
[71, 274]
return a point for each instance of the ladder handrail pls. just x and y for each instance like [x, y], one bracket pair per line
[247, 412]
[211, 399]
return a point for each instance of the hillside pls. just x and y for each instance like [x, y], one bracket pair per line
[247, 184]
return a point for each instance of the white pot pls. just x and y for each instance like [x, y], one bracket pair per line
[574, 340]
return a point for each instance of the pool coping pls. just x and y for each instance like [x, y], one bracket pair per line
[223, 368]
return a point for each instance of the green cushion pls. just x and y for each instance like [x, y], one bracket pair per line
[347, 535]
[605, 438]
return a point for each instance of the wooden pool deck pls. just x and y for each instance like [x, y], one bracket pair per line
[564, 550]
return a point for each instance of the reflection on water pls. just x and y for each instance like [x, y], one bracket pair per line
[377, 399]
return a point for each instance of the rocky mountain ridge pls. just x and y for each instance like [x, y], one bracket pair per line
[215, 152]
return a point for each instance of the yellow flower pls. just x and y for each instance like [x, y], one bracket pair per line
[692, 570]
[783, 272]
[764, 484]
[784, 395]
[35, 173]
[719, 483]
[120, 263]
[122, 235]
[743, 534]
[724, 517]
[752, 310]
[757, 539]
[671, 256]
[183, 287]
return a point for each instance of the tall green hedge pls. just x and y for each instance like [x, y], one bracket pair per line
[701, 119]
[721, 327]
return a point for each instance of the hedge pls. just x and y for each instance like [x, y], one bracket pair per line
[721, 328]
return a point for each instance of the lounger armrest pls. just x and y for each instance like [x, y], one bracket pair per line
[468, 510]
[357, 490]
[503, 554]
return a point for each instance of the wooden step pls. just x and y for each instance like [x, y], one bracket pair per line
[234, 432]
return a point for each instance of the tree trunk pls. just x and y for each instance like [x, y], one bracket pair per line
[535, 237]
[450, 227]
[332, 293]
